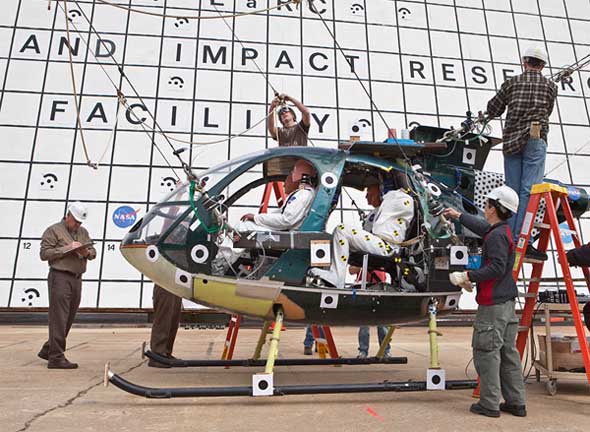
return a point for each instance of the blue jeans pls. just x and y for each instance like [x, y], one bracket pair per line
[364, 335]
[521, 172]
[309, 339]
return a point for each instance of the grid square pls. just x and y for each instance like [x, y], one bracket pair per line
[414, 41]
[4, 292]
[39, 215]
[529, 26]
[556, 29]
[505, 50]
[89, 184]
[442, 18]
[475, 47]
[471, 20]
[552, 8]
[528, 6]
[381, 12]
[420, 99]
[9, 251]
[445, 44]
[580, 31]
[577, 9]
[500, 24]
[281, 31]
[383, 38]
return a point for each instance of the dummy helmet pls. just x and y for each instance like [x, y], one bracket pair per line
[78, 211]
[387, 185]
[506, 197]
[288, 109]
[536, 52]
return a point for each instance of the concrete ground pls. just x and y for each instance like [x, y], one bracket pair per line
[33, 398]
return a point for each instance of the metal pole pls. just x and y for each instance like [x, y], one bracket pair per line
[274, 342]
[261, 340]
[385, 342]
[433, 333]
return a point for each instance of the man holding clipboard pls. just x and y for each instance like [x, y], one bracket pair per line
[67, 247]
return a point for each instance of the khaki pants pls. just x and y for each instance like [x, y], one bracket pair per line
[167, 311]
[64, 299]
[495, 356]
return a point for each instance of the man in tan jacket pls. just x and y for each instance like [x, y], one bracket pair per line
[67, 247]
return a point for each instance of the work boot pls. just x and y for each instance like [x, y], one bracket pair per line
[62, 363]
[155, 364]
[307, 350]
[43, 354]
[534, 255]
[515, 410]
[476, 408]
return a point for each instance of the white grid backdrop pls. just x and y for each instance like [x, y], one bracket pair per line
[425, 62]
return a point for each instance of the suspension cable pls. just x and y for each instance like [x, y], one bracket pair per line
[197, 18]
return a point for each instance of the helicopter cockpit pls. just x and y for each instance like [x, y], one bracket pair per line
[193, 227]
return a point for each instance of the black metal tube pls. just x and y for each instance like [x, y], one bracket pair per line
[278, 362]
[164, 393]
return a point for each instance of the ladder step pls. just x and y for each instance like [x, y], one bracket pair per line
[527, 295]
[540, 225]
[532, 261]
[523, 329]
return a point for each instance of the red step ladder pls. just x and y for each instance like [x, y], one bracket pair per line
[555, 197]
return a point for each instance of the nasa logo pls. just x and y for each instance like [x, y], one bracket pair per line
[573, 193]
[124, 216]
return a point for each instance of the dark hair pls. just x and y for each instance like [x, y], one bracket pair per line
[534, 62]
[502, 212]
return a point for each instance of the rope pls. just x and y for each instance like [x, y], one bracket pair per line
[74, 86]
[121, 101]
[119, 93]
[163, 15]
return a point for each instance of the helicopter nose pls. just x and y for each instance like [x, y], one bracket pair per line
[148, 260]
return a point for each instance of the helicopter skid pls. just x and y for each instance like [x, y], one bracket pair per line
[179, 363]
[175, 392]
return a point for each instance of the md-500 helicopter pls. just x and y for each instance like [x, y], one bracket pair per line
[177, 244]
[189, 244]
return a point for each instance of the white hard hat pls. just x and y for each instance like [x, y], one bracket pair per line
[506, 196]
[78, 211]
[536, 52]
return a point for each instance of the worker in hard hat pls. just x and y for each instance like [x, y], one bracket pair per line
[495, 356]
[67, 247]
[529, 99]
[388, 230]
[292, 133]
[299, 187]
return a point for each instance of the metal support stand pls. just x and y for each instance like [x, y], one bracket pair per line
[263, 383]
[385, 342]
[435, 376]
[261, 340]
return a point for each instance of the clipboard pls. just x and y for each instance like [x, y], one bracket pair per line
[82, 246]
